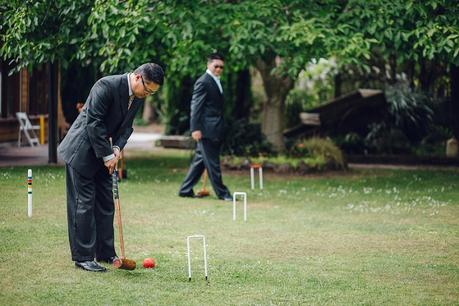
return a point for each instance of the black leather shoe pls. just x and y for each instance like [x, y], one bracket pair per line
[90, 265]
[226, 198]
[187, 195]
[108, 260]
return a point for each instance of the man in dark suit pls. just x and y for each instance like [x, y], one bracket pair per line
[90, 160]
[206, 126]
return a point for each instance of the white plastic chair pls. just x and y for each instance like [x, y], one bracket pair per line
[29, 130]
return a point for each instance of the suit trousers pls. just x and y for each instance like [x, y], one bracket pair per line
[207, 156]
[90, 212]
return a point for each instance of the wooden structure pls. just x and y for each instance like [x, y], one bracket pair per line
[176, 142]
[26, 91]
[349, 113]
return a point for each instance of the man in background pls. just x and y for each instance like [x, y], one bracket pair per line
[206, 126]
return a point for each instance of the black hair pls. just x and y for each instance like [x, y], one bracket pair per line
[151, 72]
[215, 56]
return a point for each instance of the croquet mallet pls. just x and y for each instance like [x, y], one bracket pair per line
[203, 192]
[121, 262]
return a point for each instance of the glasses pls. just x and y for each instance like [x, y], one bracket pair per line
[148, 91]
[218, 66]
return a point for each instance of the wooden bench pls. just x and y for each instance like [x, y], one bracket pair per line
[176, 142]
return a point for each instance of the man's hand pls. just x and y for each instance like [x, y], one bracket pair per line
[110, 164]
[197, 135]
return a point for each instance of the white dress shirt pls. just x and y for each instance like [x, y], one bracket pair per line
[216, 79]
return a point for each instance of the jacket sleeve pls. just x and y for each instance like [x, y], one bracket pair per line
[197, 104]
[96, 112]
[121, 142]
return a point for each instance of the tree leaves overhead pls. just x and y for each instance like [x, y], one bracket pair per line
[119, 35]
[34, 32]
[411, 30]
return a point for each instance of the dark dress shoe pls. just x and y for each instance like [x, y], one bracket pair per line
[186, 195]
[226, 198]
[90, 265]
[109, 260]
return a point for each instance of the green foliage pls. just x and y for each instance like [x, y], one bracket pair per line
[122, 34]
[411, 30]
[351, 143]
[386, 139]
[117, 36]
[174, 109]
[280, 163]
[284, 163]
[314, 87]
[410, 111]
[434, 143]
[243, 138]
[35, 32]
[321, 148]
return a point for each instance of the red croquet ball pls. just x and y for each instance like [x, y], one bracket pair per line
[149, 263]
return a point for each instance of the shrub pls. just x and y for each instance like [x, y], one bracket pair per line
[310, 155]
[319, 147]
[386, 139]
[410, 111]
[351, 143]
[243, 138]
[410, 120]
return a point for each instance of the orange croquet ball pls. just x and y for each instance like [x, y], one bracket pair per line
[149, 263]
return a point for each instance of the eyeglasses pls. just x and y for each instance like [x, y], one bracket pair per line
[218, 66]
[148, 91]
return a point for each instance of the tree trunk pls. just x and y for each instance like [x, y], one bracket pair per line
[272, 123]
[276, 87]
[455, 100]
[426, 75]
[52, 114]
[411, 70]
[338, 83]
[393, 69]
[243, 95]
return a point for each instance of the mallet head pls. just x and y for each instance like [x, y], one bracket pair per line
[124, 264]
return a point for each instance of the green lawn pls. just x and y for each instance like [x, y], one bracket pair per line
[362, 237]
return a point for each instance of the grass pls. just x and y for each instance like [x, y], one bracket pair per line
[363, 237]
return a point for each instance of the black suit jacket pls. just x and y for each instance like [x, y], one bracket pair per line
[207, 108]
[105, 115]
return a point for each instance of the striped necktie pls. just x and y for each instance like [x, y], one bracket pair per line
[131, 98]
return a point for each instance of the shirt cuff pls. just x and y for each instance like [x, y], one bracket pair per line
[108, 157]
[116, 147]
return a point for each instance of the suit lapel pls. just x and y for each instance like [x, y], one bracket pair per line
[124, 94]
[136, 103]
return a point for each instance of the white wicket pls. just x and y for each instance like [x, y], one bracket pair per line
[244, 196]
[29, 193]
[204, 246]
[252, 177]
